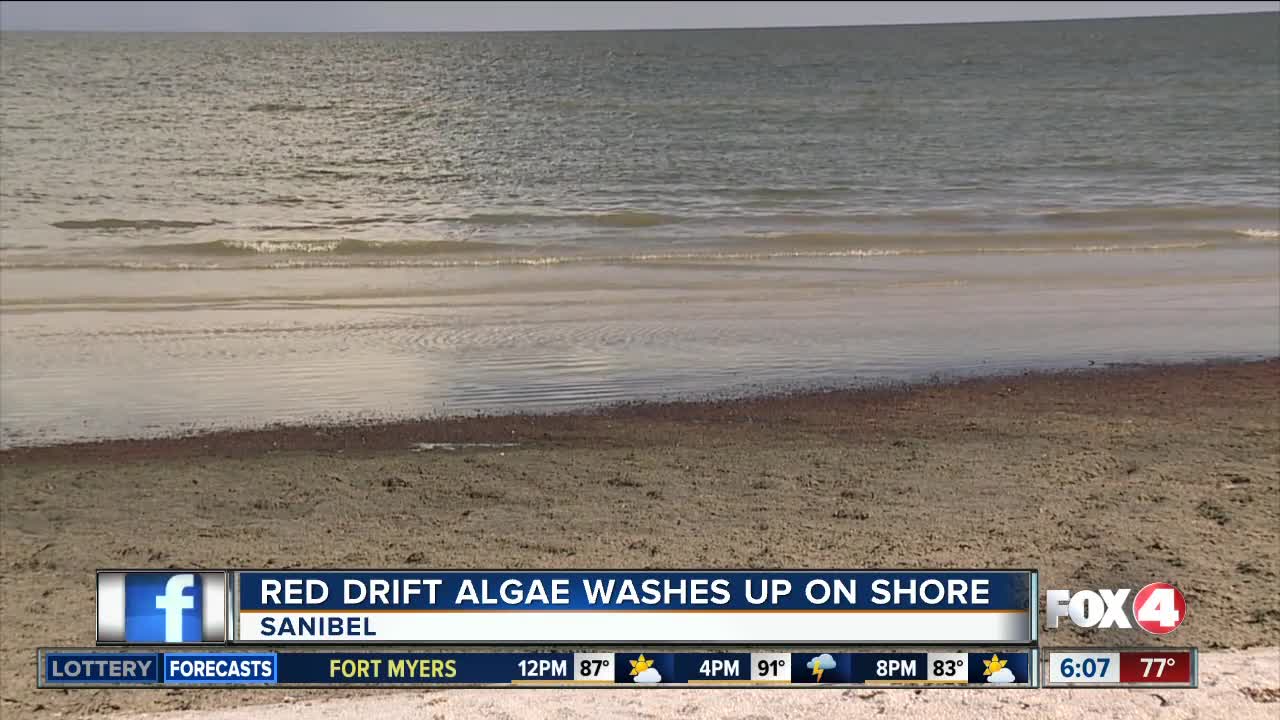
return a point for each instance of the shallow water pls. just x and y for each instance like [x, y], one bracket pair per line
[220, 230]
[225, 350]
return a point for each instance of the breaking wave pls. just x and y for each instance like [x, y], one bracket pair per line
[1259, 233]
[122, 224]
[395, 256]
[1168, 217]
[345, 246]
[1158, 215]
[620, 219]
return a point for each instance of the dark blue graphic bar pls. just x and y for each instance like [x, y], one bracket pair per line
[233, 668]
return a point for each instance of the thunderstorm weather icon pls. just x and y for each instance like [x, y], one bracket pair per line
[820, 664]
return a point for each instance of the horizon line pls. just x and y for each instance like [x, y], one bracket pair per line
[707, 28]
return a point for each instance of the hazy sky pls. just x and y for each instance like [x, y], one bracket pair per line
[425, 16]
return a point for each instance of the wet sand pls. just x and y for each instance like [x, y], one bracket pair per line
[1099, 479]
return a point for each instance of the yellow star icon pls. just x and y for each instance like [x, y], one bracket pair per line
[639, 666]
[994, 665]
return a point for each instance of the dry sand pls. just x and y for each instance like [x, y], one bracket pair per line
[1098, 479]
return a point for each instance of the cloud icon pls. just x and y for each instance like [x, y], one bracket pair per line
[1003, 675]
[824, 661]
[649, 676]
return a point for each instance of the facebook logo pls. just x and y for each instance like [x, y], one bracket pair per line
[161, 607]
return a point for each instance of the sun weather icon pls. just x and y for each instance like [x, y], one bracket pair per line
[643, 671]
[996, 672]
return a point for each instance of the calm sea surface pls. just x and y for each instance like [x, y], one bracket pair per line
[221, 230]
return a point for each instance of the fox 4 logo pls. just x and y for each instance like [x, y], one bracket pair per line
[1158, 608]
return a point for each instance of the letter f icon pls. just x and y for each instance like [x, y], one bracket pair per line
[173, 602]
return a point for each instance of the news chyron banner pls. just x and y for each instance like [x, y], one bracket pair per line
[314, 667]
[550, 607]
[581, 628]
[634, 607]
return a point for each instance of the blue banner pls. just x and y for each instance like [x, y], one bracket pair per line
[89, 668]
[220, 668]
[355, 591]
[412, 668]
[233, 668]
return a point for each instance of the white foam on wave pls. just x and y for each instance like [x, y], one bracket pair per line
[429, 446]
[1154, 247]
[321, 259]
[1259, 233]
[284, 246]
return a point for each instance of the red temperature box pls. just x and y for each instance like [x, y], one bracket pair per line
[1166, 667]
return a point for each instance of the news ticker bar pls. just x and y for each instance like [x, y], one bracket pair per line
[900, 667]
[994, 667]
[600, 607]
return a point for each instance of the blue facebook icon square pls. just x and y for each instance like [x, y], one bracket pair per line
[162, 607]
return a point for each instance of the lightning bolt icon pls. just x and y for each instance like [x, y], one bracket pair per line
[817, 671]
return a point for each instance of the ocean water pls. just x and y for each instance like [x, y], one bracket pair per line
[220, 230]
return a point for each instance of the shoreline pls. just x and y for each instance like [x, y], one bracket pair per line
[1102, 478]
[364, 346]
[493, 428]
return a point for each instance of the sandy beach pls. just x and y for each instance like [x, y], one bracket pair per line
[1098, 478]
